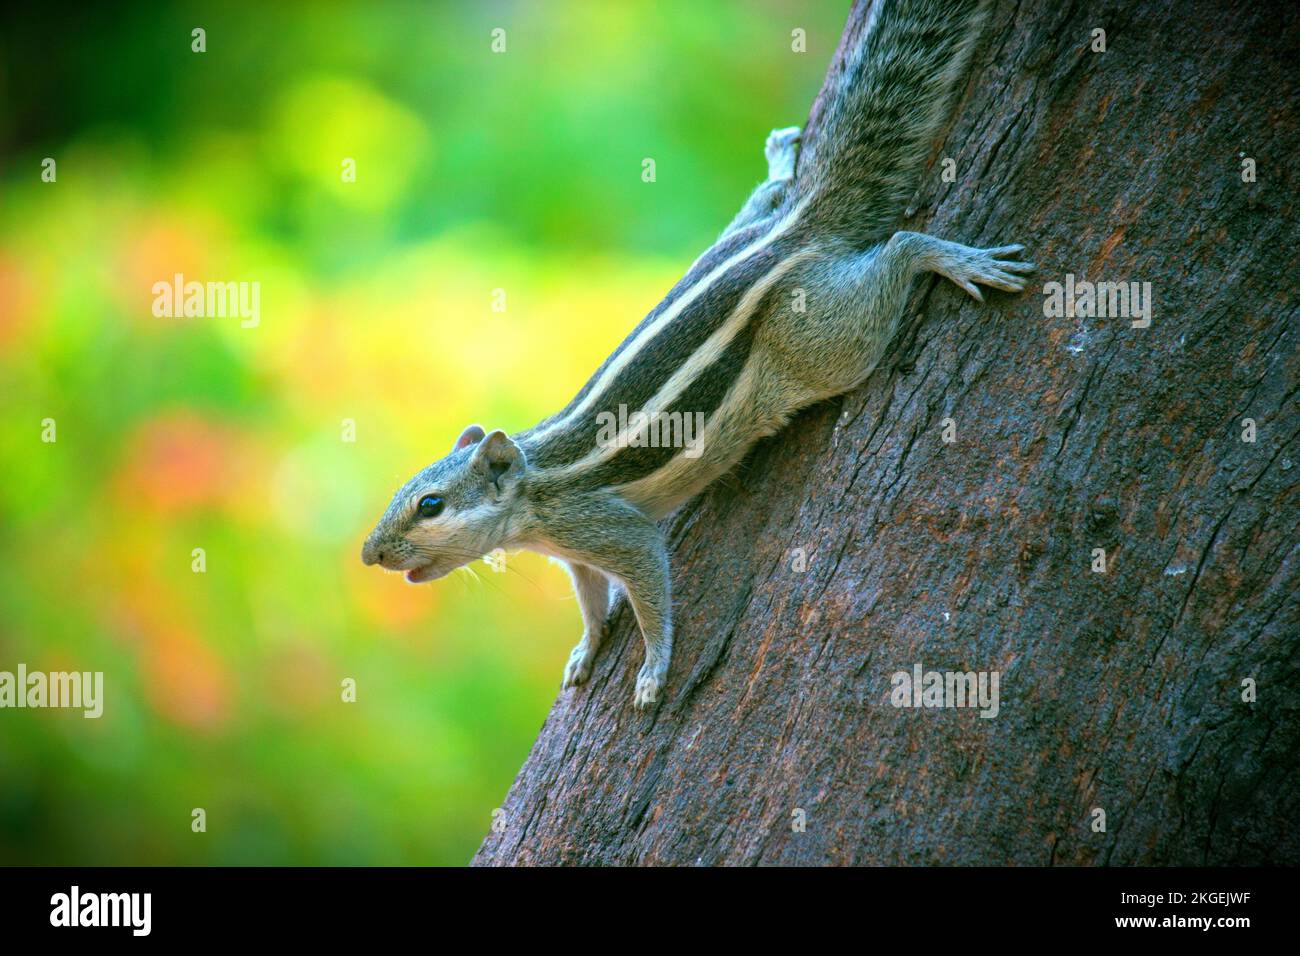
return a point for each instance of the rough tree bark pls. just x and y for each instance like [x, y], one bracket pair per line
[1120, 690]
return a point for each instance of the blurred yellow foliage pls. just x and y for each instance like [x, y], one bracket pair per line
[193, 531]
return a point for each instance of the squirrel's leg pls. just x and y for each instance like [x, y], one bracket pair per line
[607, 533]
[854, 302]
[649, 589]
[967, 265]
[883, 274]
[781, 152]
[592, 589]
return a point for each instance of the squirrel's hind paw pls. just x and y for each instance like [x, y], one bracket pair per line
[780, 152]
[986, 267]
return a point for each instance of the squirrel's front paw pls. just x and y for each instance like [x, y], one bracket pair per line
[579, 667]
[649, 682]
[780, 152]
[987, 267]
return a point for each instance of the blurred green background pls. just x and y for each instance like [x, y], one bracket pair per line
[475, 171]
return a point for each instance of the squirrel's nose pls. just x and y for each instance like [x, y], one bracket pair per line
[371, 553]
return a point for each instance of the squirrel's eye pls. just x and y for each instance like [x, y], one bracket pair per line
[430, 506]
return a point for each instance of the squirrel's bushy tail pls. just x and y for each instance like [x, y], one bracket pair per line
[891, 98]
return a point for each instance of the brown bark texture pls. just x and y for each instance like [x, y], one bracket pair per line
[1121, 691]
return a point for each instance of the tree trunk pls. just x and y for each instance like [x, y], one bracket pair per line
[1126, 691]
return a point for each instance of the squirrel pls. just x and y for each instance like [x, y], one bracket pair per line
[726, 347]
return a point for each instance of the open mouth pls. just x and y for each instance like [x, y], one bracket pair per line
[423, 573]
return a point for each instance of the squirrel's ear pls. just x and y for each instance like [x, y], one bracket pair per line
[472, 434]
[499, 459]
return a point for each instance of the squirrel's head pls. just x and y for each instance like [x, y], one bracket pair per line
[453, 512]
